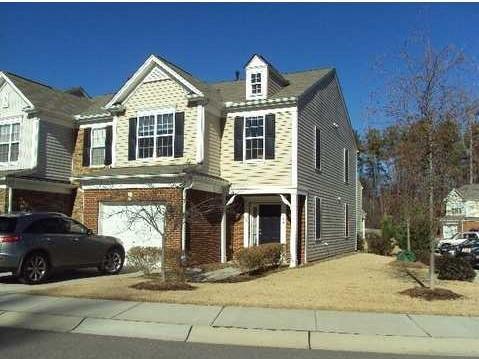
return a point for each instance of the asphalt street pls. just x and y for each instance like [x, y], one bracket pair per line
[20, 343]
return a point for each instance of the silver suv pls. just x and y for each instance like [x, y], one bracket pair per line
[33, 244]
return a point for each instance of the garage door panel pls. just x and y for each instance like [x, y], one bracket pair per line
[125, 222]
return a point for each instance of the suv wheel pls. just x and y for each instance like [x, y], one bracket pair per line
[35, 268]
[112, 262]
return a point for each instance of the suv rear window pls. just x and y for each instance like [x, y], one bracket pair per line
[7, 224]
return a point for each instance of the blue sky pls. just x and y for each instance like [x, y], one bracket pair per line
[99, 45]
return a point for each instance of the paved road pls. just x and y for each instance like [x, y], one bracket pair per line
[21, 343]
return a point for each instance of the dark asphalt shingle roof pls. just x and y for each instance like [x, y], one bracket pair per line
[299, 82]
[47, 98]
[469, 191]
[97, 104]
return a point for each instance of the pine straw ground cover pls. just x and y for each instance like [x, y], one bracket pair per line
[360, 282]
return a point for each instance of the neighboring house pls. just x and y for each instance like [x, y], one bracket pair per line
[275, 153]
[36, 144]
[462, 210]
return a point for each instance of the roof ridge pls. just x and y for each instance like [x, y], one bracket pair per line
[29, 80]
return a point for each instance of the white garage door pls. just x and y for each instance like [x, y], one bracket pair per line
[121, 221]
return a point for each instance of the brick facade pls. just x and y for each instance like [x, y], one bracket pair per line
[170, 196]
[235, 228]
[203, 231]
[3, 200]
[25, 200]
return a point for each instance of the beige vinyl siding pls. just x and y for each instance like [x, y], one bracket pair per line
[212, 144]
[16, 104]
[259, 173]
[322, 108]
[55, 151]
[157, 95]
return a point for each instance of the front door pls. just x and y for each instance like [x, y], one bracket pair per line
[269, 223]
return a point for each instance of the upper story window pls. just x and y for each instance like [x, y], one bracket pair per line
[346, 165]
[317, 144]
[256, 84]
[98, 141]
[155, 135]
[9, 142]
[254, 137]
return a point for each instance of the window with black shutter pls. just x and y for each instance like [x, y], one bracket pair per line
[86, 147]
[238, 138]
[270, 136]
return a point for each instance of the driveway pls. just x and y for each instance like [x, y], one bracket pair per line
[9, 284]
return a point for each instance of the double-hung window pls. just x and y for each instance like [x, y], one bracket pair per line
[346, 165]
[254, 137]
[9, 142]
[318, 218]
[256, 84]
[98, 140]
[346, 220]
[155, 135]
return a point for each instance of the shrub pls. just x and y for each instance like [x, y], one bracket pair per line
[453, 268]
[145, 259]
[406, 256]
[379, 245]
[260, 258]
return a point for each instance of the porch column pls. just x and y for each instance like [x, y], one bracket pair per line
[293, 244]
[223, 236]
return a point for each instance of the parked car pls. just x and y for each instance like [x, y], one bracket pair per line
[32, 245]
[449, 246]
[469, 251]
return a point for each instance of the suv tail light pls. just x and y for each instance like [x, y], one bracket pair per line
[9, 238]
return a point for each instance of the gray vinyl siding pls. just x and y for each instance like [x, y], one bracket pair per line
[55, 151]
[322, 107]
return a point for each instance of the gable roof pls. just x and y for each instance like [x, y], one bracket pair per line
[299, 82]
[97, 106]
[47, 98]
[469, 191]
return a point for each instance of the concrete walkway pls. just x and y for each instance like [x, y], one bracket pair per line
[285, 328]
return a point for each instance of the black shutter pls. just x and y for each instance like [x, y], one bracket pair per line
[238, 138]
[179, 133]
[86, 146]
[108, 144]
[132, 139]
[269, 136]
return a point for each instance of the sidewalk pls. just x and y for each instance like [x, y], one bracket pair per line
[285, 328]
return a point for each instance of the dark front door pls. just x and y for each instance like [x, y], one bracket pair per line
[269, 223]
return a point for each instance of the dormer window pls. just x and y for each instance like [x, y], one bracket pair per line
[256, 84]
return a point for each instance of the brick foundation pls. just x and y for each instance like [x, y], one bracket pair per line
[203, 231]
[235, 228]
[25, 200]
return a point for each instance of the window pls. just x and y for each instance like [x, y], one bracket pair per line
[256, 84]
[98, 136]
[254, 137]
[318, 218]
[74, 227]
[46, 225]
[317, 142]
[346, 220]
[155, 135]
[346, 165]
[9, 142]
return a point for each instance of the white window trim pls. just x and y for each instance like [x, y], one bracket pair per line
[257, 137]
[253, 201]
[315, 146]
[316, 237]
[346, 221]
[345, 168]
[260, 83]
[10, 123]
[91, 146]
[155, 113]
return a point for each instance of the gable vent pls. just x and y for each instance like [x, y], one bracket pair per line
[155, 75]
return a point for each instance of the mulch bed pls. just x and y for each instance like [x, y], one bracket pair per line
[429, 294]
[160, 285]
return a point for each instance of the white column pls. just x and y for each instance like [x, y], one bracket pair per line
[293, 245]
[223, 236]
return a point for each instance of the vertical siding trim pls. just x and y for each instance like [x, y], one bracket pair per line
[200, 134]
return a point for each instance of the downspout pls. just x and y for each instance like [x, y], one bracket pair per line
[183, 220]
[10, 194]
